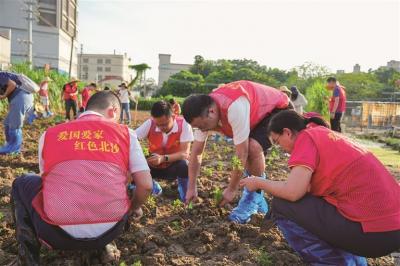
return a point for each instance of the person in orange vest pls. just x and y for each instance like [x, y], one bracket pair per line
[338, 199]
[240, 110]
[70, 97]
[85, 95]
[80, 200]
[337, 103]
[169, 138]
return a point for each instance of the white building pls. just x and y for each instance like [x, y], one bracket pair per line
[356, 68]
[54, 32]
[394, 65]
[167, 69]
[104, 69]
[5, 49]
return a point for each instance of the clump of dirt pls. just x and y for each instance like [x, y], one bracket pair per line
[168, 234]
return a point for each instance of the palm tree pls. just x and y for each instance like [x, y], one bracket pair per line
[140, 72]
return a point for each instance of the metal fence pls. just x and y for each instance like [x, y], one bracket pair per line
[372, 115]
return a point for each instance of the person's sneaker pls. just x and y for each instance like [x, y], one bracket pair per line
[249, 204]
[157, 189]
[182, 188]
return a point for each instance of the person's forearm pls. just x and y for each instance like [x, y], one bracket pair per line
[242, 152]
[139, 197]
[280, 189]
[194, 169]
[9, 90]
[235, 179]
[177, 156]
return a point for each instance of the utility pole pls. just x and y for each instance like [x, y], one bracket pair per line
[80, 62]
[29, 18]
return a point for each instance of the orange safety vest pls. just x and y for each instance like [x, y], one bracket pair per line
[85, 172]
[263, 100]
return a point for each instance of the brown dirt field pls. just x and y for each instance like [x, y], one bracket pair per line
[167, 234]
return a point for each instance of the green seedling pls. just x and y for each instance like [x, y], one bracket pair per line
[220, 166]
[273, 155]
[151, 202]
[177, 205]
[214, 147]
[263, 258]
[227, 149]
[190, 206]
[176, 225]
[122, 263]
[208, 171]
[137, 263]
[1, 216]
[217, 194]
[236, 163]
[146, 152]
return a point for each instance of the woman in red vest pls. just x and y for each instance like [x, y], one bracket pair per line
[169, 138]
[70, 97]
[338, 198]
[80, 200]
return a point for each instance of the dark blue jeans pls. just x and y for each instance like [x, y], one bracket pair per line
[172, 172]
[24, 189]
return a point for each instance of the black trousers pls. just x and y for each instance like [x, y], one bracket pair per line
[24, 189]
[173, 171]
[335, 122]
[323, 220]
[70, 104]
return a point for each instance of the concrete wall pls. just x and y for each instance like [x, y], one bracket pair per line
[167, 69]
[5, 49]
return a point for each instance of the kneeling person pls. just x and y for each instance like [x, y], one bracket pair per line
[80, 201]
[169, 138]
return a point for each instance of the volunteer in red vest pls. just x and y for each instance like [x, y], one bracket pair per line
[86, 95]
[240, 110]
[169, 138]
[338, 199]
[44, 96]
[337, 103]
[80, 201]
[70, 97]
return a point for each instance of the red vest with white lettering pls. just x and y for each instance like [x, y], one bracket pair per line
[263, 100]
[70, 88]
[85, 172]
[353, 180]
[342, 101]
[155, 139]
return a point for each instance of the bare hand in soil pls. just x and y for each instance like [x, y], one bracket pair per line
[111, 254]
[137, 214]
[228, 196]
[191, 195]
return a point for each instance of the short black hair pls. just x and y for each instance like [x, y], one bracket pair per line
[160, 109]
[93, 84]
[106, 88]
[195, 106]
[331, 79]
[172, 101]
[101, 100]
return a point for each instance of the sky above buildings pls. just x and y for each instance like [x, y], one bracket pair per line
[282, 34]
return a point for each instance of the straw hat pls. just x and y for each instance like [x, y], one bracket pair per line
[285, 89]
[73, 79]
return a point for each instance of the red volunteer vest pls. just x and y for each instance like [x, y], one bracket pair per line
[155, 139]
[43, 92]
[263, 100]
[69, 88]
[354, 181]
[85, 172]
[342, 101]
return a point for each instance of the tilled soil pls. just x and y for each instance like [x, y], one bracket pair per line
[168, 234]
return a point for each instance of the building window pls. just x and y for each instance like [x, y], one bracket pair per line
[85, 68]
[99, 61]
[99, 77]
[68, 20]
[47, 18]
[108, 61]
[99, 69]
[107, 69]
[86, 60]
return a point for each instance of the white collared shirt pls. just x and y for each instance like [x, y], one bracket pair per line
[142, 132]
[137, 163]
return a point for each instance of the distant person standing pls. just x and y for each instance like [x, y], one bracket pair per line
[298, 100]
[85, 94]
[176, 107]
[70, 97]
[337, 103]
[44, 96]
[124, 94]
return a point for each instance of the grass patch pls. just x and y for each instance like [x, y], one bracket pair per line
[386, 156]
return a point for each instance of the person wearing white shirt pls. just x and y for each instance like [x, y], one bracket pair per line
[124, 94]
[87, 174]
[298, 99]
[240, 110]
[169, 138]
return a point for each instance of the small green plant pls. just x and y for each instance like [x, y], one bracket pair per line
[190, 206]
[1, 216]
[146, 151]
[151, 202]
[273, 155]
[214, 147]
[208, 171]
[137, 263]
[217, 195]
[177, 205]
[176, 225]
[263, 258]
[236, 163]
[122, 263]
[19, 171]
[227, 149]
[220, 166]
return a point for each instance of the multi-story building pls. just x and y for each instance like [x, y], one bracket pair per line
[356, 68]
[394, 65]
[53, 35]
[105, 69]
[5, 49]
[167, 69]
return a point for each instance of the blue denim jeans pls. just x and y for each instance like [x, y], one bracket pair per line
[125, 109]
[20, 105]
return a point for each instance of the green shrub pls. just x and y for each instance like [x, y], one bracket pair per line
[146, 104]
